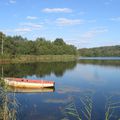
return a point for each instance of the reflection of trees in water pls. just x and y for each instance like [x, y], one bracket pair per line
[101, 62]
[8, 104]
[38, 69]
[83, 107]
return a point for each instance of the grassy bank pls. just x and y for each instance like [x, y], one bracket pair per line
[35, 58]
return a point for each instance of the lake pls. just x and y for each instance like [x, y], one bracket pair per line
[84, 90]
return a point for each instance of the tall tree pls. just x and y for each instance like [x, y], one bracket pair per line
[59, 41]
[2, 37]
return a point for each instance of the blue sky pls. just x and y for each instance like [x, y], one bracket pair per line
[83, 23]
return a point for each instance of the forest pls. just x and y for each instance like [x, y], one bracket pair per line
[108, 51]
[17, 45]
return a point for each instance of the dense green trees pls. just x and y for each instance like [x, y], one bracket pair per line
[17, 45]
[101, 51]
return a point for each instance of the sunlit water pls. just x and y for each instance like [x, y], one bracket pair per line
[84, 90]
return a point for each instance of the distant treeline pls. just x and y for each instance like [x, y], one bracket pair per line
[17, 45]
[100, 51]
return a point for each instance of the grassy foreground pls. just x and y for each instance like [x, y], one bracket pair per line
[35, 58]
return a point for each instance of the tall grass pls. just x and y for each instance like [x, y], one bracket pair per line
[37, 58]
[87, 102]
[110, 107]
[8, 103]
[70, 110]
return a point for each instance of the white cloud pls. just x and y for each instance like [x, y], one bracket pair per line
[34, 26]
[88, 38]
[81, 13]
[92, 21]
[57, 10]
[31, 17]
[92, 33]
[108, 2]
[12, 1]
[115, 19]
[65, 21]
[22, 30]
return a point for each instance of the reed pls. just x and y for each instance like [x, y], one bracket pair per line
[111, 106]
[86, 100]
[8, 103]
[84, 110]
[70, 110]
[38, 58]
[81, 111]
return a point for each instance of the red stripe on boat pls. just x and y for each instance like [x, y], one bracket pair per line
[29, 80]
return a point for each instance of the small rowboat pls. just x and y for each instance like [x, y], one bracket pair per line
[27, 83]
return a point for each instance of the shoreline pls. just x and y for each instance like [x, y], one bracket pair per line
[37, 58]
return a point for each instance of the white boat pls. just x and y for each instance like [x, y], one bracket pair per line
[27, 83]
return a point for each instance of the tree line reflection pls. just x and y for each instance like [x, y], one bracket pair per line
[101, 62]
[38, 69]
[46, 68]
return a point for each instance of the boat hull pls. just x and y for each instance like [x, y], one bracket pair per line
[26, 83]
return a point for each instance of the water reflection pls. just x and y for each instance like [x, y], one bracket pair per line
[84, 107]
[72, 111]
[101, 62]
[27, 90]
[38, 69]
[87, 90]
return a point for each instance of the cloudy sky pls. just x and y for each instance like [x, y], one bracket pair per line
[83, 23]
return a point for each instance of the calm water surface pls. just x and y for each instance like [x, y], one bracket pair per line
[84, 90]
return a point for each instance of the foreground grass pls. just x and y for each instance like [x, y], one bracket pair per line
[35, 58]
[8, 103]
